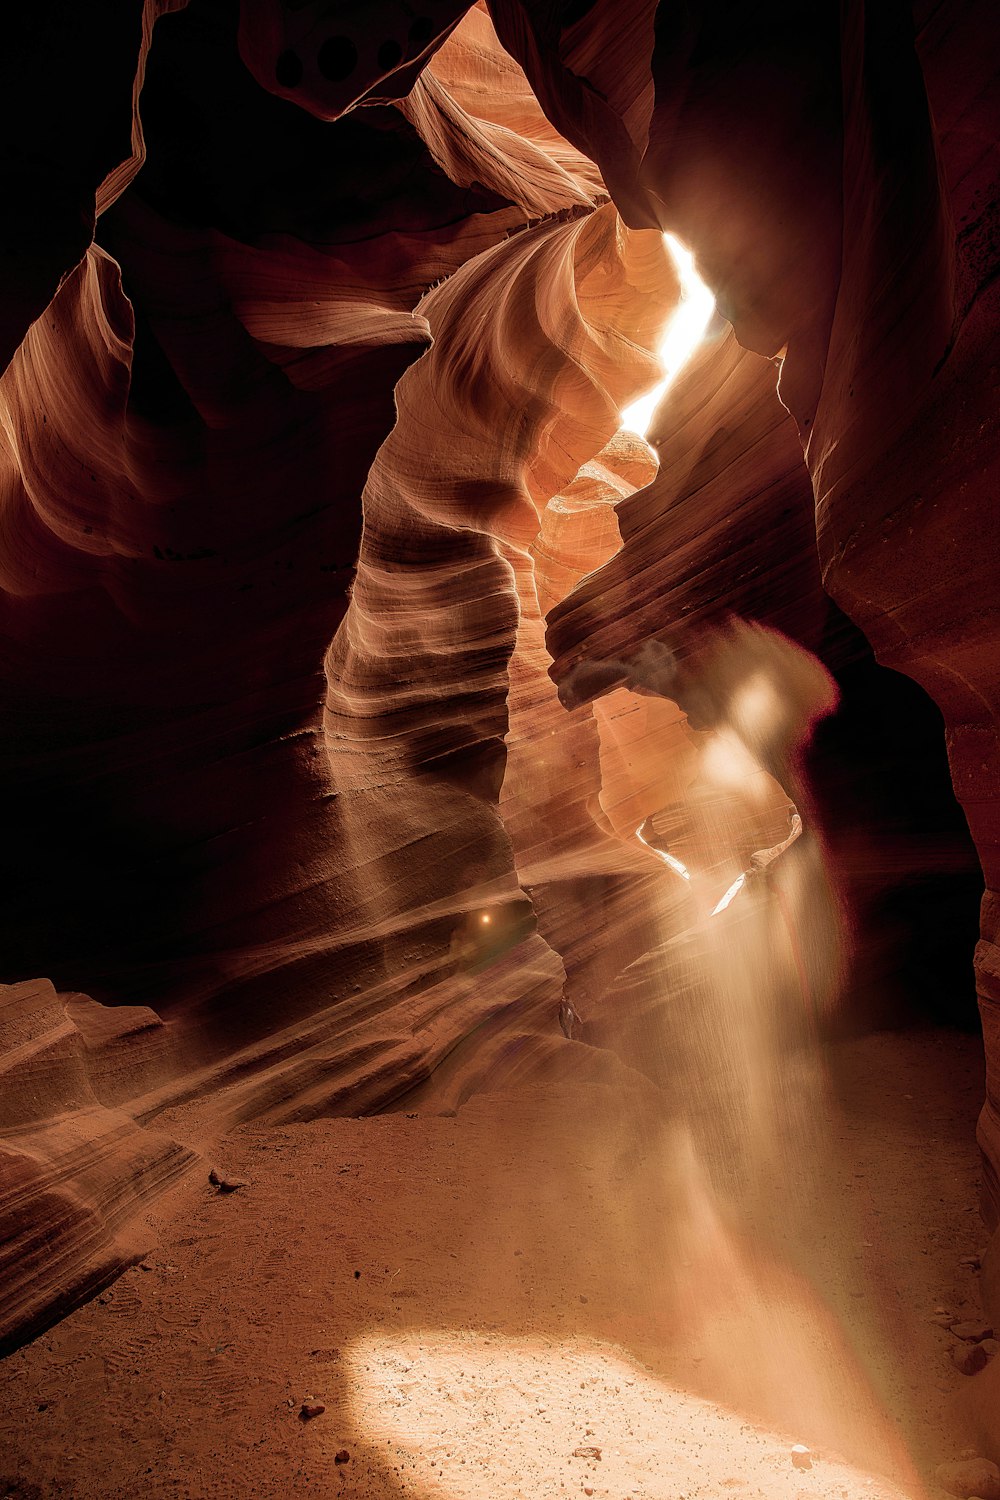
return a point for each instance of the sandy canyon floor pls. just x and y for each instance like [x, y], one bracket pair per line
[558, 1291]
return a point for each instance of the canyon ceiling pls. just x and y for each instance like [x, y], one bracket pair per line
[327, 566]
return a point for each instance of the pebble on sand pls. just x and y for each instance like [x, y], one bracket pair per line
[225, 1184]
[969, 1359]
[970, 1477]
[972, 1329]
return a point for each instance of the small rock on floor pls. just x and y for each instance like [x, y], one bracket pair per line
[225, 1184]
[970, 1478]
[972, 1329]
[969, 1359]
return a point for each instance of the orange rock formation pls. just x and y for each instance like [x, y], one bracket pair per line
[317, 329]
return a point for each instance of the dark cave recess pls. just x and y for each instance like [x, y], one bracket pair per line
[900, 851]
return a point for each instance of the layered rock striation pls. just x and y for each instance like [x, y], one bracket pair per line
[302, 444]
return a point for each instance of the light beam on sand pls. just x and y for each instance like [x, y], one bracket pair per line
[681, 337]
[461, 1414]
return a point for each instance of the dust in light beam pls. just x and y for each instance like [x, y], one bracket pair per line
[681, 337]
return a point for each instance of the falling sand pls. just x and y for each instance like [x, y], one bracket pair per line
[709, 1253]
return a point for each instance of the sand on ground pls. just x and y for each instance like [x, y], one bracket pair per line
[561, 1290]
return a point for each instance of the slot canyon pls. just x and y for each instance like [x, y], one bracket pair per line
[499, 687]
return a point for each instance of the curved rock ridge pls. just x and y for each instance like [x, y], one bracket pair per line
[586, 877]
[183, 469]
[532, 167]
[907, 440]
[418, 675]
[295, 461]
[703, 711]
[329, 58]
[61, 64]
[851, 234]
[715, 571]
[903, 441]
[550, 801]
[590, 67]
[726, 527]
[125, 172]
[186, 436]
[688, 112]
[489, 85]
[75, 1170]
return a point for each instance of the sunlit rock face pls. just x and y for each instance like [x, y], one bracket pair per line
[880, 302]
[301, 453]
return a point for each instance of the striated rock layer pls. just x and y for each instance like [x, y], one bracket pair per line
[298, 455]
[187, 435]
[74, 1167]
[880, 302]
[417, 696]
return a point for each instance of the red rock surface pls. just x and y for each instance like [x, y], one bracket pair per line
[884, 313]
[297, 456]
